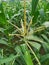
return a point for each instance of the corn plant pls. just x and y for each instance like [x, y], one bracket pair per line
[27, 44]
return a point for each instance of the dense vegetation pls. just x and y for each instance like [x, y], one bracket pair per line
[24, 32]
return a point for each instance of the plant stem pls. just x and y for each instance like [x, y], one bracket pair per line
[15, 35]
[33, 53]
[2, 54]
[24, 17]
[13, 62]
[14, 26]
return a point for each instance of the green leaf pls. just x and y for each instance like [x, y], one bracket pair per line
[4, 45]
[45, 38]
[35, 45]
[2, 30]
[8, 59]
[3, 41]
[34, 5]
[2, 15]
[42, 15]
[34, 38]
[44, 58]
[34, 12]
[27, 56]
[20, 60]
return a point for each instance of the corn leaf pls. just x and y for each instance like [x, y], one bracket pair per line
[8, 59]
[27, 56]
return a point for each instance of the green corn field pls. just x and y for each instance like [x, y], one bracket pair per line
[24, 32]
